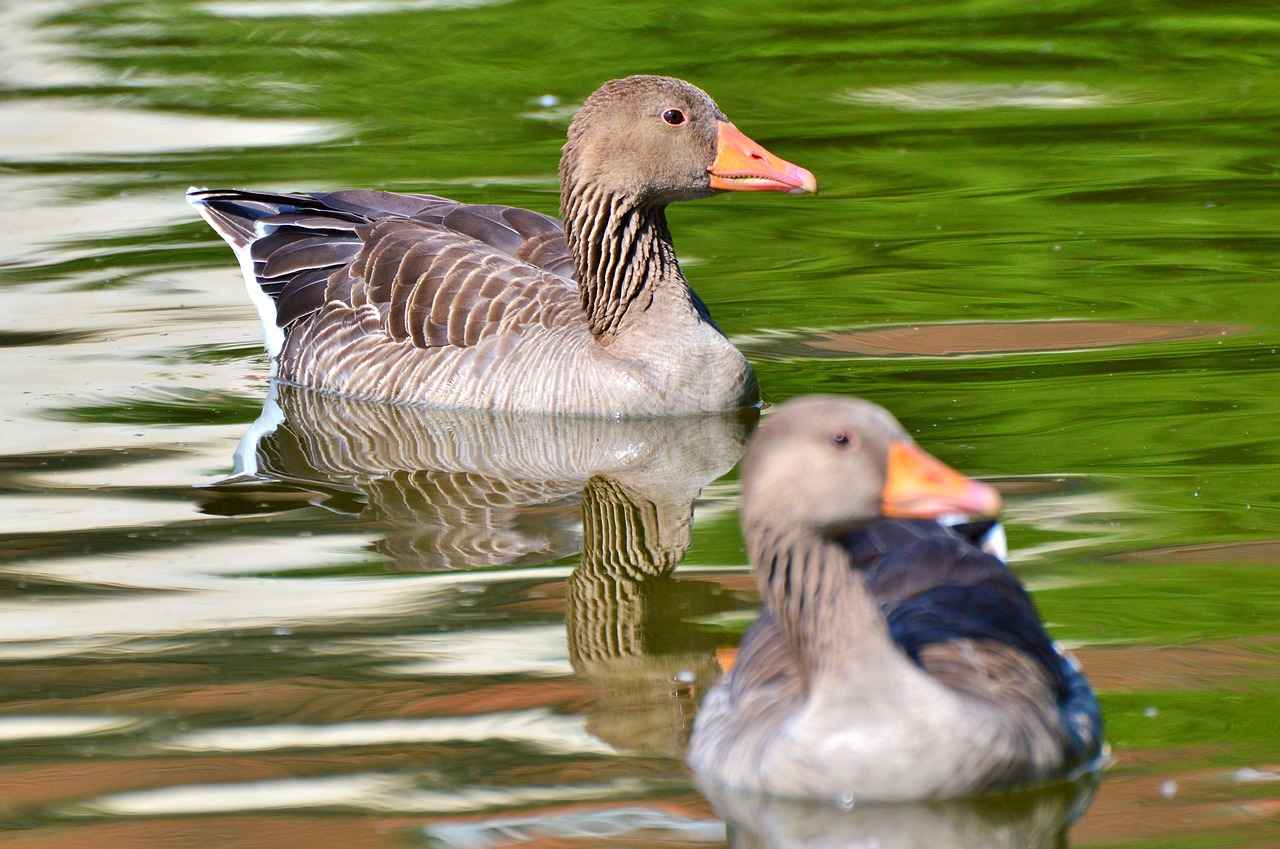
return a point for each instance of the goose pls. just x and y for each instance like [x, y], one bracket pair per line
[894, 660]
[423, 300]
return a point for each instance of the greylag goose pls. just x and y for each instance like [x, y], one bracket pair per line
[418, 299]
[894, 660]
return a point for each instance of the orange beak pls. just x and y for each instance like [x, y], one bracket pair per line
[922, 487]
[741, 165]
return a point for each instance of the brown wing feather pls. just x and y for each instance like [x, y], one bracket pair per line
[1017, 686]
[767, 678]
[437, 287]
[438, 272]
[991, 671]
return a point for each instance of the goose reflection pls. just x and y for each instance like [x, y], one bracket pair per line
[461, 489]
[1038, 819]
[450, 489]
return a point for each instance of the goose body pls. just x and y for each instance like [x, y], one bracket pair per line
[895, 659]
[423, 300]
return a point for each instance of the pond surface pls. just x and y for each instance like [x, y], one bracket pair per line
[1046, 240]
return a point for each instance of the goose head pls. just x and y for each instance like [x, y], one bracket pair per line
[826, 466]
[660, 139]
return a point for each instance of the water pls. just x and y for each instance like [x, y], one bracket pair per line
[1045, 239]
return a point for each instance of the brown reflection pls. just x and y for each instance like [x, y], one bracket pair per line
[1010, 337]
[1036, 820]
[464, 490]
[1151, 799]
[1197, 666]
[1261, 552]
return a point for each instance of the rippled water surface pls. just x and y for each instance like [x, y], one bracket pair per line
[1046, 239]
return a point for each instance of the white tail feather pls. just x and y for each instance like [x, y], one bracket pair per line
[273, 336]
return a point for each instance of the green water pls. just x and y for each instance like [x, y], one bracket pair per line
[1044, 239]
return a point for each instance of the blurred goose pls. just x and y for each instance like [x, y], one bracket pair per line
[894, 660]
[419, 299]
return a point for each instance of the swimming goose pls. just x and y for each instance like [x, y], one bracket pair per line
[419, 299]
[894, 660]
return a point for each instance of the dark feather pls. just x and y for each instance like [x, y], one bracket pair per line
[372, 205]
[485, 224]
[306, 253]
[964, 617]
[304, 295]
[934, 586]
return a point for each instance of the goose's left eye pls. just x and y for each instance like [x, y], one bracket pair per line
[844, 440]
[674, 117]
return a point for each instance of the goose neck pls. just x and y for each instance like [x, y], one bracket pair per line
[820, 602]
[622, 252]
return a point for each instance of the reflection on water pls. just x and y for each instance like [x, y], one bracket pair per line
[43, 131]
[1034, 820]
[329, 8]
[451, 490]
[461, 489]
[966, 338]
[935, 96]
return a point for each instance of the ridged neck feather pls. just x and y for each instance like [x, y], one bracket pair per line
[817, 598]
[621, 250]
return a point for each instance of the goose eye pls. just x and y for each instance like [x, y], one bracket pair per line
[844, 440]
[674, 117]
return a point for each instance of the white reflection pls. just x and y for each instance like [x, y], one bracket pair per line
[38, 212]
[553, 829]
[384, 793]
[540, 729]
[16, 728]
[965, 97]
[331, 8]
[205, 588]
[527, 651]
[1249, 775]
[33, 130]
[30, 54]
[60, 513]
